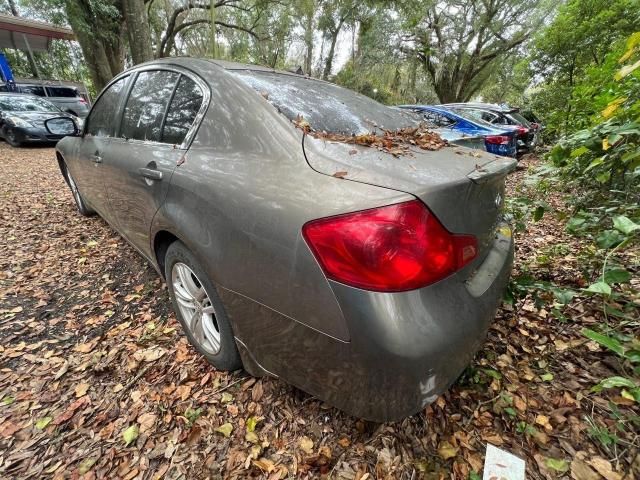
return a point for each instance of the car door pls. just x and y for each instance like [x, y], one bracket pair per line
[86, 166]
[160, 110]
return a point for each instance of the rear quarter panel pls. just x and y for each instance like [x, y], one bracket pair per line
[239, 202]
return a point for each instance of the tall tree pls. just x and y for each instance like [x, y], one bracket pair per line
[458, 40]
[138, 31]
[336, 14]
[100, 29]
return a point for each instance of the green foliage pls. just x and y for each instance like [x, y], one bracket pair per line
[576, 57]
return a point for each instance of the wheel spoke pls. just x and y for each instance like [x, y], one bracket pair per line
[196, 327]
[195, 308]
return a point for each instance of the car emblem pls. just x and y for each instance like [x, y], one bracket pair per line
[498, 200]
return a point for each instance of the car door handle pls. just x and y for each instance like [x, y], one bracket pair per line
[150, 173]
[96, 158]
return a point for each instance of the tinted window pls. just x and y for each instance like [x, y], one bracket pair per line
[62, 92]
[324, 105]
[438, 119]
[102, 116]
[182, 111]
[33, 90]
[147, 104]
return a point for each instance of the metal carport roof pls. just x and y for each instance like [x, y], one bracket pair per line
[24, 34]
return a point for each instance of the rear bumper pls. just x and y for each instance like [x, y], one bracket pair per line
[405, 349]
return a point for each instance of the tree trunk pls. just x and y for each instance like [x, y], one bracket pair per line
[135, 15]
[332, 50]
[100, 41]
[308, 42]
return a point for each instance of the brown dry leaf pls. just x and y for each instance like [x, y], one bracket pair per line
[183, 392]
[340, 174]
[147, 421]
[264, 464]
[581, 471]
[604, 468]
[85, 347]
[447, 451]
[81, 389]
[257, 392]
[543, 421]
[8, 428]
[306, 444]
[344, 442]
[149, 354]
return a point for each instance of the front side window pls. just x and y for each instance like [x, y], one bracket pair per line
[101, 119]
[147, 105]
[182, 112]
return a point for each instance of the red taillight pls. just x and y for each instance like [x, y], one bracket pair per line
[522, 130]
[388, 249]
[498, 139]
[82, 100]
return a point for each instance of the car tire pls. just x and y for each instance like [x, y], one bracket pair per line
[12, 138]
[81, 205]
[199, 309]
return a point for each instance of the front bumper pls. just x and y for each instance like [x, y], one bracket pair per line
[405, 349]
[35, 135]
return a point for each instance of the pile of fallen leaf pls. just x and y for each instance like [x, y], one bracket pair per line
[395, 142]
[97, 380]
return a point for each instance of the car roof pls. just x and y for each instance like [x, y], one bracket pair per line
[492, 107]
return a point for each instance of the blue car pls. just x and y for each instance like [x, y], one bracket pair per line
[500, 141]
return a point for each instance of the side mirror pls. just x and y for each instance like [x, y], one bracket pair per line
[63, 126]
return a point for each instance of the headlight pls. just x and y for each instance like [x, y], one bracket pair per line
[19, 122]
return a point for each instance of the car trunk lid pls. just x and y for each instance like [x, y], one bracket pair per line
[464, 188]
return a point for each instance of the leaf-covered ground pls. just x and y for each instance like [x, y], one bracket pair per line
[97, 381]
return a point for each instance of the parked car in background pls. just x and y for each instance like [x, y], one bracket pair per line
[67, 98]
[535, 122]
[499, 115]
[500, 141]
[364, 278]
[23, 117]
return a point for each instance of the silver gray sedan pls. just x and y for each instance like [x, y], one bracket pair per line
[366, 278]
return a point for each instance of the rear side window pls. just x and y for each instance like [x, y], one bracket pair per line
[182, 112]
[62, 92]
[147, 105]
[102, 116]
[437, 119]
[33, 90]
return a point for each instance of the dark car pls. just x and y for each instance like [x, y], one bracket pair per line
[365, 277]
[67, 98]
[500, 115]
[23, 117]
[497, 139]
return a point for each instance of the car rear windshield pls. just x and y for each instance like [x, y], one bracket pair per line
[24, 103]
[520, 119]
[327, 107]
[62, 92]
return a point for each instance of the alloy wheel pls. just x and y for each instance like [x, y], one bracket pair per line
[195, 307]
[74, 189]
